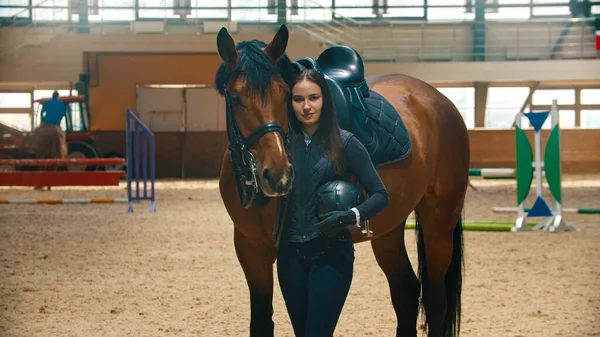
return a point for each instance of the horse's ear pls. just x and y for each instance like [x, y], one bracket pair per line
[226, 48]
[277, 47]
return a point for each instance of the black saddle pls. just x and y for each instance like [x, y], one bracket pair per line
[360, 110]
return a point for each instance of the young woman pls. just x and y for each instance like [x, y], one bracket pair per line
[315, 258]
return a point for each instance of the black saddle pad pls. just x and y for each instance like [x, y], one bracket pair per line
[381, 130]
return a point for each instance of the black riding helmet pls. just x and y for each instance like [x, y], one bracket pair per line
[337, 195]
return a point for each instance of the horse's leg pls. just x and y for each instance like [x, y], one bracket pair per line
[255, 250]
[440, 150]
[256, 259]
[406, 188]
[440, 262]
[390, 253]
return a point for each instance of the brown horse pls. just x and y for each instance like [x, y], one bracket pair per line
[432, 181]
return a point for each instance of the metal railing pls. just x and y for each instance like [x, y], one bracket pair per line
[197, 9]
[504, 41]
[30, 32]
[338, 30]
[376, 39]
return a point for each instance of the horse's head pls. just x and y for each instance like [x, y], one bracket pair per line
[253, 80]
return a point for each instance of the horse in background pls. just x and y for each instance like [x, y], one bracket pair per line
[432, 181]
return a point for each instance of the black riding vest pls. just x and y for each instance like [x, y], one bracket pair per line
[311, 170]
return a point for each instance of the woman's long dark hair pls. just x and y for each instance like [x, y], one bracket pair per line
[328, 135]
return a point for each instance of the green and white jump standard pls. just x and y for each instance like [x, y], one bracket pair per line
[526, 165]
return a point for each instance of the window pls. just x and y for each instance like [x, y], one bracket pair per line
[418, 11]
[39, 94]
[316, 13]
[50, 14]
[551, 11]
[566, 118]
[15, 100]
[114, 14]
[209, 13]
[19, 121]
[503, 104]
[365, 12]
[108, 10]
[449, 13]
[74, 111]
[464, 99]
[590, 96]
[252, 14]
[508, 12]
[564, 96]
[156, 9]
[446, 2]
[10, 12]
[470, 4]
[590, 118]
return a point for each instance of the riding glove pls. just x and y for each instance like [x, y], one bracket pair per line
[332, 223]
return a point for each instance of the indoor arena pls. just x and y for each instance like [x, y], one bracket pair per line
[164, 169]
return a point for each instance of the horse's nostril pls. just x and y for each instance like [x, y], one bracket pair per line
[265, 175]
[281, 187]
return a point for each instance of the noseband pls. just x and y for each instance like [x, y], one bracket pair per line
[243, 161]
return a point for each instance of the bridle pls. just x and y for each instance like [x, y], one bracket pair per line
[243, 161]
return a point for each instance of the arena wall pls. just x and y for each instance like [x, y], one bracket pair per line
[199, 154]
[118, 62]
[497, 149]
[47, 55]
[114, 76]
[60, 58]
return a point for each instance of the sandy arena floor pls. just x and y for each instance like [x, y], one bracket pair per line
[94, 270]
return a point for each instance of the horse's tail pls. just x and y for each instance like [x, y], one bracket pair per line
[454, 284]
[453, 280]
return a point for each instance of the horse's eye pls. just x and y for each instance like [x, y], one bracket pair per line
[237, 100]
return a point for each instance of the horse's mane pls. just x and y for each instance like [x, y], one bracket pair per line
[256, 67]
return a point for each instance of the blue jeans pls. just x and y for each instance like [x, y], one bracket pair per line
[315, 278]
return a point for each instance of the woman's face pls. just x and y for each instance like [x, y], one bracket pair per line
[307, 101]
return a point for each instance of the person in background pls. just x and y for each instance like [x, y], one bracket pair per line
[49, 138]
[53, 111]
[580, 8]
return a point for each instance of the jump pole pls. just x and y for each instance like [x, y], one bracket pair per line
[492, 172]
[551, 166]
[64, 201]
[139, 142]
[564, 210]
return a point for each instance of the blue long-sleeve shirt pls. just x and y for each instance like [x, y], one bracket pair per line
[53, 112]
